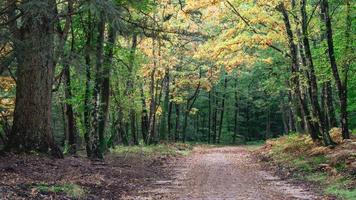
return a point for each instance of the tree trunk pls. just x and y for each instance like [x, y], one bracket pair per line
[323, 106]
[152, 114]
[34, 46]
[295, 72]
[330, 105]
[190, 103]
[96, 115]
[215, 117]
[144, 117]
[165, 109]
[221, 121]
[130, 89]
[69, 114]
[291, 113]
[105, 88]
[342, 87]
[236, 113]
[209, 118]
[313, 81]
[177, 127]
[87, 95]
[169, 121]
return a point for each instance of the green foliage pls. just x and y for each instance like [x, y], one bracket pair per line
[72, 190]
[341, 188]
[154, 150]
[318, 177]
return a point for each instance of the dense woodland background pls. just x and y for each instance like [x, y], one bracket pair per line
[92, 74]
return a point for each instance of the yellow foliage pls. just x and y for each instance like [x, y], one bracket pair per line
[7, 104]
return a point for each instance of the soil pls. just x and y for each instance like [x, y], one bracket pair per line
[229, 173]
[117, 177]
[224, 173]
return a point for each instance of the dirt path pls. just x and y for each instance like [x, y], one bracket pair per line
[228, 173]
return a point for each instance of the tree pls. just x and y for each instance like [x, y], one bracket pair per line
[34, 46]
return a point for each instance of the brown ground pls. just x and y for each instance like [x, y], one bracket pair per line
[119, 176]
[207, 174]
[228, 173]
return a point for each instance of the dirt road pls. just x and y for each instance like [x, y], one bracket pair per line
[228, 173]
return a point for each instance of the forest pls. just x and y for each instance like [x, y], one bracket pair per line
[113, 83]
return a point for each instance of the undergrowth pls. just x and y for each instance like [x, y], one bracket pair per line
[154, 150]
[72, 190]
[331, 168]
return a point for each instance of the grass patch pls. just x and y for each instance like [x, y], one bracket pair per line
[72, 190]
[340, 188]
[318, 177]
[155, 150]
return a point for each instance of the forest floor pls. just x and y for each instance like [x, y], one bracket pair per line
[228, 173]
[126, 171]
[211, 173]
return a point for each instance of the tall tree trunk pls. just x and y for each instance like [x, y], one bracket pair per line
[284, 119]
[215, 117]
[144, 117]
[313, 81]
[165, 109]
[87, 95]
[185, 123]
[130, 89]
[323, 107]
[122, 128]
[330, 105]
[295, 72]
[221, 121]
[341, 86]
[291, 113]
[96, 115]
[190, 103]
[209, 118]
[152, 114]
[169, 121]
[34, 46]
[177, 126]
[105, 88]
[69, 113]
[236, 111]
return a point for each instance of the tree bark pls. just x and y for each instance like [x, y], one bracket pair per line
[236, 112]
[69, 114]
[169, 121]
[313, 80]
[215, 117]
[221, 121]
[209, 118]
[34, 46]
[87, 95]
[341, 86]
[105, 88]
[165, 109]
[330, 105]
[295, 71]
[96, 115]
[130, 89]
[144, 117]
